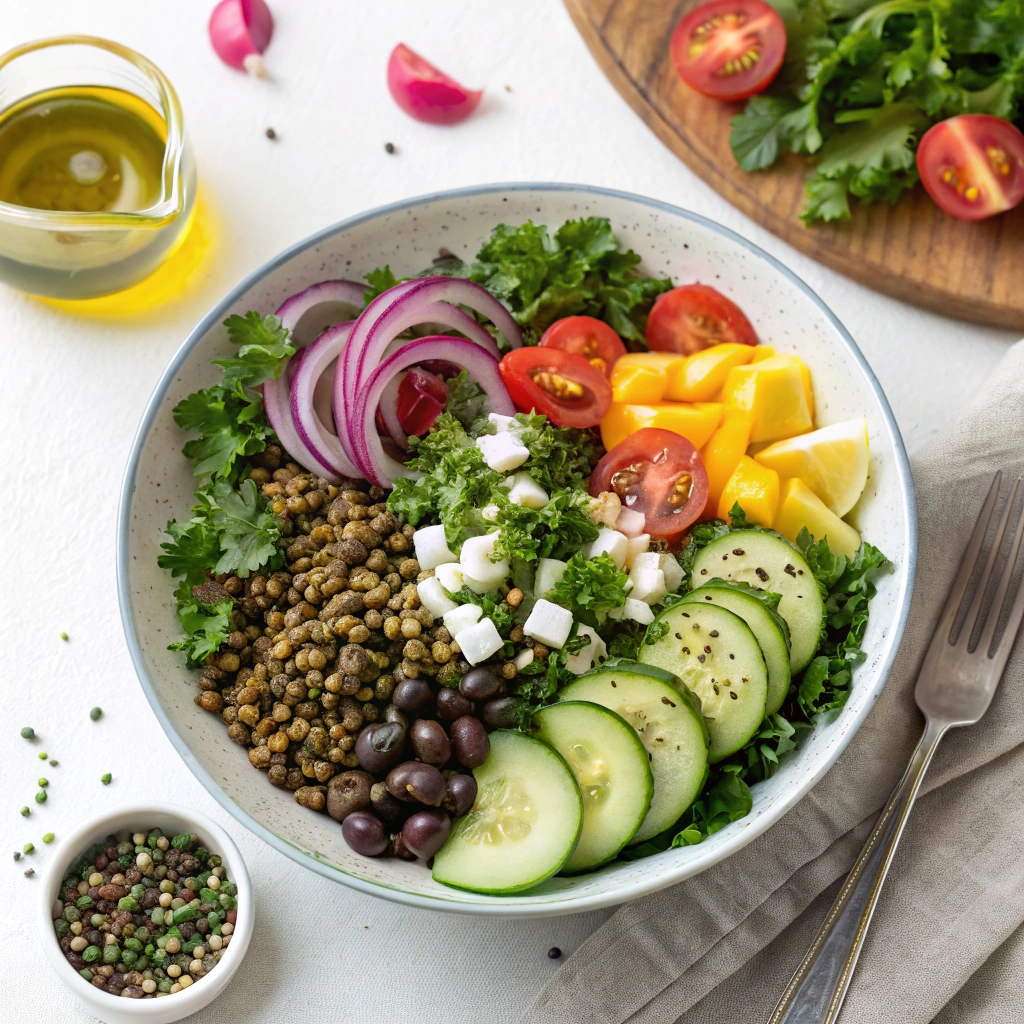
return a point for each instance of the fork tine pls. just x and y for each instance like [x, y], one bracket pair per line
[973, 617]
[970, 560]
[1013, 622]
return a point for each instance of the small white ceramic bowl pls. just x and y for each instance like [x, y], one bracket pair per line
[172, 820]
[672, 242]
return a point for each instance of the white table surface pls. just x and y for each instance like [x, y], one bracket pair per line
[72, 390]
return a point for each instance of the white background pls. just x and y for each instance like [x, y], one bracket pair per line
[72, 390]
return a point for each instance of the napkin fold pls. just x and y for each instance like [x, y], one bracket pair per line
[947, 940]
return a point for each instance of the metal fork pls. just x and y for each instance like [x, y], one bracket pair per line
[955, 686]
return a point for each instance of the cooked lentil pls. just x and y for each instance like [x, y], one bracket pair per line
[130, 945]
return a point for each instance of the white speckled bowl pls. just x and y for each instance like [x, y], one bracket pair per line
[407, 235]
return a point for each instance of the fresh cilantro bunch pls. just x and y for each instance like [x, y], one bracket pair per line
[541, 277]
[863, 81]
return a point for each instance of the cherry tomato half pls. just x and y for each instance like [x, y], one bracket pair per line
[658, 473]
[694, 317]
[588, 337]
[729, 49]
[566, 388]
[972, 165]
[421, 398]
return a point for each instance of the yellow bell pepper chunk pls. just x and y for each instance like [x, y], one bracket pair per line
[702, 375]
[777, 393]
[722, 454]
[801, 507]
[755, 488]
[642, 377]
[694, 422]
[762, 352]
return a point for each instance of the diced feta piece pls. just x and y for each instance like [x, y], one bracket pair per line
[462, 618]
[609, 542]
[591, 656]
[636, 546]
[524, 658]
[503, 424]
[527, 492]
[432, 547]
[475, 560]
[479, 642]
[648, 585]
[433, 597]
[673, 572]
[605, 509]
[549, 572]
[489, 513]
[633, 609]
[503, 452]
[450, 576]
[630, 522]
[481, 586]
[549, 623]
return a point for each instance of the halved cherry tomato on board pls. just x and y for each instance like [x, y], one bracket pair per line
[588, 337]
[566, 388]
[421, 398]
[729, 49]
[972, 165]
[658, 473]
[694, 317]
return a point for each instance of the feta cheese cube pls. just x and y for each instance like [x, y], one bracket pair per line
[630, 522]
[648, 585]
[475, 560]
[672, 570]
[524, 658]
[431, 547]
[593, 655]
[633, 609]
[503, 452]
[462, 618]
[549, 623]
[609, 542]
[502, 424]
[479, 642]
[433, 597]
[636, 546]
[450, 576]
[549, 572]
[527, 492]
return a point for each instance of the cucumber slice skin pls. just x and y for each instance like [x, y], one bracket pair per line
[715, 654]
[767, 630]
[524, 768]
[612, 819]
[679, 767]
[769, 562]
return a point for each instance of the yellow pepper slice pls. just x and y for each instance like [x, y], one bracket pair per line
[777, 393]
[801, 507]
[755, 488]
[702, 375]
[641, 377]
[722, 453]
[694, 422]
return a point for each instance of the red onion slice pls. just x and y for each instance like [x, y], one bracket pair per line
[377, 466]
[324, 293]
[425, 92]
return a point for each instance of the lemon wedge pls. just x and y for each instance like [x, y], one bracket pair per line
[832, 462]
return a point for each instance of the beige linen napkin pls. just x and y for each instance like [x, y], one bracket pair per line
[947, 941]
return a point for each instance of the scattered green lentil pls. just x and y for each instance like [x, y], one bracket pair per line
[54, 762]
[43, 755]
[28, 733]
[48, 838]
[106, 779]
[27, 848]
[44, 783]
[25, 812]
[96, 714]
[64, 636]
[41, 797]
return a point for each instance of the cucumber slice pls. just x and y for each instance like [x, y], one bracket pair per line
[769, 562]
[671, 729]
[768, 627]
[714, 654]
[611, 769]
[522, 827]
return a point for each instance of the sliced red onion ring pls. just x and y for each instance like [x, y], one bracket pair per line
[395, 311]
[335, 293]
[389, 411]
[377, 466]
[317, 359]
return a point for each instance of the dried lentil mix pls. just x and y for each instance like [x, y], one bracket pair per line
[146, 915]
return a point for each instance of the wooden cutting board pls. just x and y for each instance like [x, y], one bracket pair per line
[911, 250]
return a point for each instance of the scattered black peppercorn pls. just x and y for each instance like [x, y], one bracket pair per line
[554, 952]
[30, 872]
[389, 147]
[271, 134]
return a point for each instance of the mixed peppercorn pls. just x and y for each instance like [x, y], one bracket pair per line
[147, 915]
[335, 677]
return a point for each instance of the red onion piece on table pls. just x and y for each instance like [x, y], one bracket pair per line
[425, 92]
[240, 31]
[377, 466]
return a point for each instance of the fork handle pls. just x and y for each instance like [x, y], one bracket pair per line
[816, 993]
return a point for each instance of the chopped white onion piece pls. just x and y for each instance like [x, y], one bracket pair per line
[524, 658]
[648, 585]
[433, 597]
[609, 542]
[635, 610]
[592, 656]
[630, 522]
[462, 618]
[450, 576]
[476, 563]
[527, 492]
[432, 547]
[549, 572]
